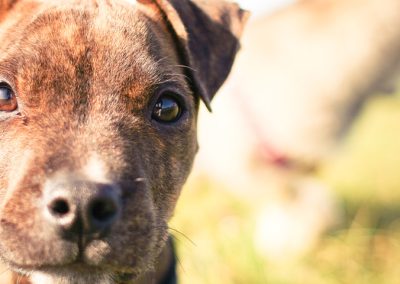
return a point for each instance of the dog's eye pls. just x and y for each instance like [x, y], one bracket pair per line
[167, 109]
[8, 101]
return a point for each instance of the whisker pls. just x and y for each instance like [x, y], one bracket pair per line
[178, 260]
[185, 66]
[175, 231]
[162, 59]
[183, 235]
[179, 75]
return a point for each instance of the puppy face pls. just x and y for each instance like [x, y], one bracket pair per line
[97, 134]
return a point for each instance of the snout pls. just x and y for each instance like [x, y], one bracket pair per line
[72, 221]
[81, 210]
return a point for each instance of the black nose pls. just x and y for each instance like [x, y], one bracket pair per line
[82, 208]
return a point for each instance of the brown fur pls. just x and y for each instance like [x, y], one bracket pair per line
[86, 74]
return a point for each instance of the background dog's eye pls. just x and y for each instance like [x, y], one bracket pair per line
[167, 109]
[8, 101]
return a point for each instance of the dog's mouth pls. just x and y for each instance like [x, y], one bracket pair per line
[77, 271]
[77, 266]
[91, 264]
[91, 259]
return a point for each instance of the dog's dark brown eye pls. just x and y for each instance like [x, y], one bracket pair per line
[167, 109]
[8, 101]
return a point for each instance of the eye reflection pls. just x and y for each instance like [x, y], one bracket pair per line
[8, 101]
[167, 109]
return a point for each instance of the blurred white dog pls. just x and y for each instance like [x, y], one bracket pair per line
[302, 76]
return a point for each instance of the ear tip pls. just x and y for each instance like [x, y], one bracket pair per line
[243, 18]
[207, 102]
[240, 18]
[208, 106]
[245, 15]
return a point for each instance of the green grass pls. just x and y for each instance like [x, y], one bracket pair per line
[365, 248]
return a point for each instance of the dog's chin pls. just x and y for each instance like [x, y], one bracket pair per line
[77, 273]
[65, 276]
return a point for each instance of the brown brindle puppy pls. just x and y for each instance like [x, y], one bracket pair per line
[98, 105]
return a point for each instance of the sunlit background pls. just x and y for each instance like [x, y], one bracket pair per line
[258, 7]
[297, 179]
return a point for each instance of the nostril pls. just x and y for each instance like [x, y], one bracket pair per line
[59, 207]
[103, 210]
[82, 208]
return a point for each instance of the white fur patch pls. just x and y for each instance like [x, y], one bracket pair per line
[44, 278]
[95, 169]
[41, 278]
[133, 2]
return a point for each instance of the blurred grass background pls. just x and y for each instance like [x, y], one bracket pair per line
[215, 238]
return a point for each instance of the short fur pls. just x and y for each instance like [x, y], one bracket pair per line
[86, 74]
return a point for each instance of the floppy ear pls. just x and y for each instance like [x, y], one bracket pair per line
[207, 34]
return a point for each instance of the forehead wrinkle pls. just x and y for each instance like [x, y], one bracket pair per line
[58, 67]
[130, 64]
[35, 40]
